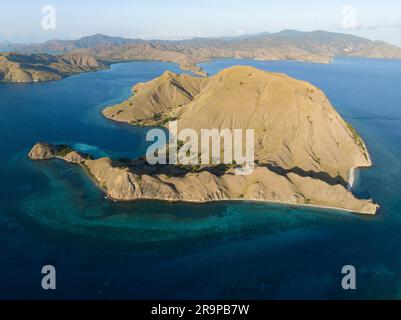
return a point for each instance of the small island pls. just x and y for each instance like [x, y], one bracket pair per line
[305, 153]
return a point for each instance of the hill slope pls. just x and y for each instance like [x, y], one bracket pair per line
[295, 125]
[16, 67]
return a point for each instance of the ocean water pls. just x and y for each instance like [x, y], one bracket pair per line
[51, 213]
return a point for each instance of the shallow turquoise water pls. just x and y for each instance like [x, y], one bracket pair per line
[51, 213]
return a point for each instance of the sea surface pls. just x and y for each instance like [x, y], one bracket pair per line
[52, 213]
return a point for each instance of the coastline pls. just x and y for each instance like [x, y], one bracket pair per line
[194, 68]
[172, 200]
[353, 173]
[107, 196]
[283, 203]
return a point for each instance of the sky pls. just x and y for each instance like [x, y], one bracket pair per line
[22, 20]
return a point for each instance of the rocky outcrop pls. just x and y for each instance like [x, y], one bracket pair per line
[42, 151]
[46, 151]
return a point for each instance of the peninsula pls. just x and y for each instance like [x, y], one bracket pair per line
[17, 67]
[305, 152]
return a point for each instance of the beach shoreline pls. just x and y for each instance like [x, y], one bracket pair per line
[283, 203]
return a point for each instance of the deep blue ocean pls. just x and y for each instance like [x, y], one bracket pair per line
[51, 213]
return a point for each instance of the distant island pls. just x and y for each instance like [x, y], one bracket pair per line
[305, 153]
[28, 63]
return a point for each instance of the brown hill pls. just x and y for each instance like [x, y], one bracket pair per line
[17, 67]
[295, 125]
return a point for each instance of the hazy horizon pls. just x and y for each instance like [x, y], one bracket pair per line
[20, 21]
[185, 38]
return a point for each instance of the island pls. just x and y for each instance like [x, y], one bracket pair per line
[305, 153]
[97, 51]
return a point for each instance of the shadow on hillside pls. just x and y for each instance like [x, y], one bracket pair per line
[323, 176]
